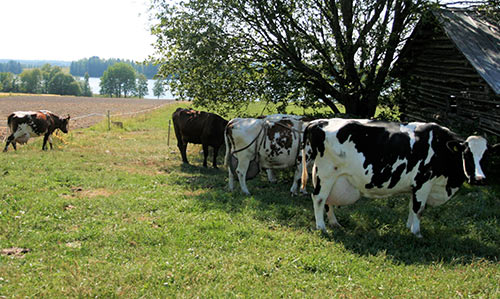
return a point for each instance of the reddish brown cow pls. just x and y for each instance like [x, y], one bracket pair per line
[26, 124]
[198, 127]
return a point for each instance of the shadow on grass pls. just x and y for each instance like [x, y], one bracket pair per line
[461, 231]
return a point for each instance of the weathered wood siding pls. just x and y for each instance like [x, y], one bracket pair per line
[440, 85]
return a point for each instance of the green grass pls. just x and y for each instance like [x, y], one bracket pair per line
[116, 214]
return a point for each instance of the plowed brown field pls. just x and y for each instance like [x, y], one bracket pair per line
[84, 112]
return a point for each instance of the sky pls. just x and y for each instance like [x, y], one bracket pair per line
[70, 30]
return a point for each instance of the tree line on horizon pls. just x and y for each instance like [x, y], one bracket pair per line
[96, 67]
[11, 66]
[119, 79]
[47, 79]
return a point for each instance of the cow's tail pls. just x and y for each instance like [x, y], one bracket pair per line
[304, 177]
[10, 123]
[228, 147]
[304, 171]
[315, 137]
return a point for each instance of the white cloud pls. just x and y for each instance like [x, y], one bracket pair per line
[74, 29]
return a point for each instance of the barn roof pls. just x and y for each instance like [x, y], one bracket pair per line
[477, 38]
[474, 36]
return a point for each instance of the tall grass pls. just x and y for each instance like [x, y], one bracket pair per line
[116, 214]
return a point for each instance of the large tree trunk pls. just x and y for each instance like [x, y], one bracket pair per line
[362, 107]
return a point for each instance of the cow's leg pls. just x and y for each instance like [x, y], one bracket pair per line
[416, 208]
[297, 180]
[231, 178]
[322, 182]
[50, 142]
[216, 152]
[45, 138]
[241, 172]
[332, 220]
[10, 139]
[182, 148]
[205, 154]
[270, 175]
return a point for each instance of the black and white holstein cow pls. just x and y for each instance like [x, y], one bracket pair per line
[198, 127]
[270, 142]
[26, 124]
[354, 158]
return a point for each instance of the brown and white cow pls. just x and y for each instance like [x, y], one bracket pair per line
[26, 124]
[354, 158]
[270, 142]
[198, 127]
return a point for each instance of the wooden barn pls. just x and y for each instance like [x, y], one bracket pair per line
[450, 72]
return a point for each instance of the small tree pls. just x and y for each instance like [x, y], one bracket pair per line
[159, 88]
[86, 91]
[31, 81]
[142, 86]
[64, 84]
[117, 79]
[8, 81]
[48, 73]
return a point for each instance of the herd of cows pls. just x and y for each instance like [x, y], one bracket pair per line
[347, 158]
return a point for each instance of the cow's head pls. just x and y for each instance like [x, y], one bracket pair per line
[473, 150]
[64, 124]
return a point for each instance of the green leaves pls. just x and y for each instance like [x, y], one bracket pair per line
[224, 54]
[118, 79]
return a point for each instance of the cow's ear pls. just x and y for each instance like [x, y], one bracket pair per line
[455, 146]
[68, 117]
[494, 149]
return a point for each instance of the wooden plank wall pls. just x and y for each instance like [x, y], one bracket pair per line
[443, 87]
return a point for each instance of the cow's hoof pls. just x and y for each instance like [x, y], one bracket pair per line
[321, 228]
[335, 225]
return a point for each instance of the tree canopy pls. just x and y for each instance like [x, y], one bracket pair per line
[47, 80]
[118, 79]
[224, 53]
[158, 88]
[96, 66]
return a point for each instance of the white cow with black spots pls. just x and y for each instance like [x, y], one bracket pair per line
[270, 142]
[354, 158]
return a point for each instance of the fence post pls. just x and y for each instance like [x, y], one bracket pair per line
[168, 135]
[109, 122]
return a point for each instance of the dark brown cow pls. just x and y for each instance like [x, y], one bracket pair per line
[26, 124]
[198, 127]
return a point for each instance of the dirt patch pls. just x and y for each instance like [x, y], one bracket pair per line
[15, 251]
[84, 111]
[91, 193]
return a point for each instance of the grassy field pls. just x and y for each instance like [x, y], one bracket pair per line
[116, 214]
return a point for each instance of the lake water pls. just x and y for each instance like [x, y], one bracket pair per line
[94, 86]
